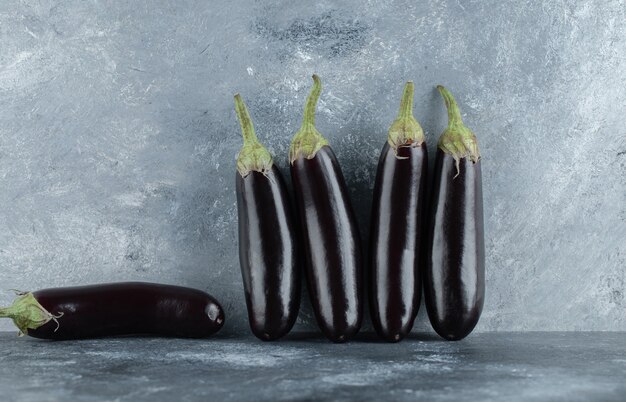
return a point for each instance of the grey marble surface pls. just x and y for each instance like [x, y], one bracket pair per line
[118, 136]
[484, 367]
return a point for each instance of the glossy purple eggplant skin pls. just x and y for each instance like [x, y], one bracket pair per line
[454, 283]
[128, 308]
[395, 240]
[332, 244]
[268, 251]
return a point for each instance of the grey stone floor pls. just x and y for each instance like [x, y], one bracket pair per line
[489, 366]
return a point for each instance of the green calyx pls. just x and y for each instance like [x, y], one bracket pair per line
[307, 141]
[458, 140]
[27, 313]
[253, 156]
[405, 131]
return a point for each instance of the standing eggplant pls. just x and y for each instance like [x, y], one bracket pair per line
[268, 247]
[395, 237]
[330, 232]
[454, 284]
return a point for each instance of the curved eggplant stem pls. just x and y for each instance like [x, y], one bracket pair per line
[307, 141]
[458, 140]
[253, 155]
[311, 102]
[454, 113]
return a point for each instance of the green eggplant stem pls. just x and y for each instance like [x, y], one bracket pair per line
[253, 155]
[307, 141]
[247, 128]
[454, 113]
[311, 102]
[405, 130]
[27, 313]
[457, 140]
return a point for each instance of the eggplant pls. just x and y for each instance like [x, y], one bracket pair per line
[268, 247]
[396, 225]
[115, 309]
[329, 229]
[454, 284]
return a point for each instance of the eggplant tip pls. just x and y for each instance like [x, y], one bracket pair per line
[267, 336]
[454, 337]
[392, 337]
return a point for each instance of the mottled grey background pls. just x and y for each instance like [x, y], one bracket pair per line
[118, 136]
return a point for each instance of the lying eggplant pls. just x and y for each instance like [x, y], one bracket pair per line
[268, 249]
[330, 233]
[395, 236]
[454, 285]
[116, 309]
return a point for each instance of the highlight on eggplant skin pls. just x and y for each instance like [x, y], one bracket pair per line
[454, 281]
[329, 229]
[116, 309]
[396, 225]
[268, 247]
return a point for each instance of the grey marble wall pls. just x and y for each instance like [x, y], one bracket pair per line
[118, 136]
